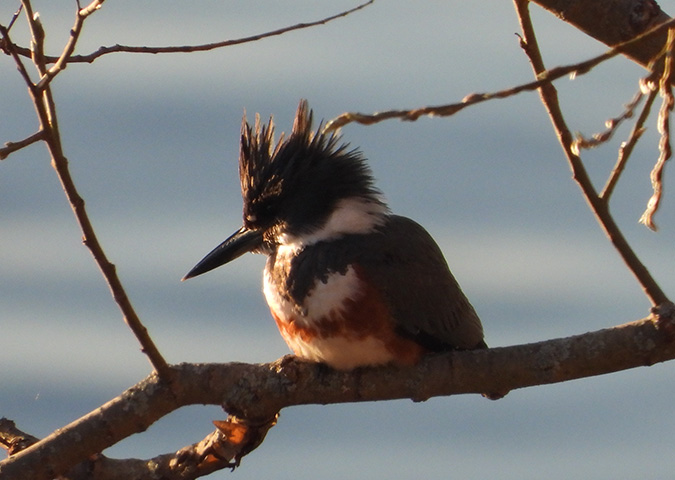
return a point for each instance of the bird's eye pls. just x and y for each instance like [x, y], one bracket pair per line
[260, 214]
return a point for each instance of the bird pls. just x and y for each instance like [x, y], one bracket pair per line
[348, 283]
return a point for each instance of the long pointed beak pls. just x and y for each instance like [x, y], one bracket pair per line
[240, 242]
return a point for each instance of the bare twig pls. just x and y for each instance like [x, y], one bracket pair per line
[256, 391]
[543, 77]
[581, 142]
[11, 147]
[75, 31]
[666, 92]
[627, 147]
[89, 58]
[10, 48]
[549, 97]
[46, 112]
[14, 17]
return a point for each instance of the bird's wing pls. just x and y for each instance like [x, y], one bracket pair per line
[426, 301]
[406, 266]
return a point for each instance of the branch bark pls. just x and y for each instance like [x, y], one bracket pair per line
[615, 21]
[259, 391]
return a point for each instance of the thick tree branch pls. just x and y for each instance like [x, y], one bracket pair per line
[259, 391]
[615, 21]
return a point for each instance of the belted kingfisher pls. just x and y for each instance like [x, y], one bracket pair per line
[348, 283]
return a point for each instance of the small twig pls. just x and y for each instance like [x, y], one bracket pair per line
[442, 110]
[14, 17]
[11, 49]
[549, 98]
[611, 125]
[89, 58]
[627, 147]
[11, 147]
[75, 31]
[666, 92]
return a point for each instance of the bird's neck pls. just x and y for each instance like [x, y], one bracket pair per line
[355, 215]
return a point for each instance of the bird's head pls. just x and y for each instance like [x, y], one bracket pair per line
[307, 187]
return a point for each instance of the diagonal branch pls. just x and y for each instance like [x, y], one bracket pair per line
[45, 107]
[543, 77]
[259, 391]
[549, 97]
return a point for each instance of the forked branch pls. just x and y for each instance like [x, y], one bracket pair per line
[49, 132]
[599, 207]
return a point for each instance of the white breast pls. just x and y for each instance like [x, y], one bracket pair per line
[324, 300]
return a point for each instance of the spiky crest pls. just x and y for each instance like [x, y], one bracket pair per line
[299, 179]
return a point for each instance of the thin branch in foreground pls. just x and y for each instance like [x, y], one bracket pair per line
[11, 147]
[259, 391]
[89, 58]
[549, 97]
[447, 110]
[666, 92]
[543, 77]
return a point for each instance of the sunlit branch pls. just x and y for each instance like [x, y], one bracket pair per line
[75, 31]
[549, 98]
[11, 147]
[543, 77]
[288, 382]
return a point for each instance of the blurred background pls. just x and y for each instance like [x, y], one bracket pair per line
[153, 142]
